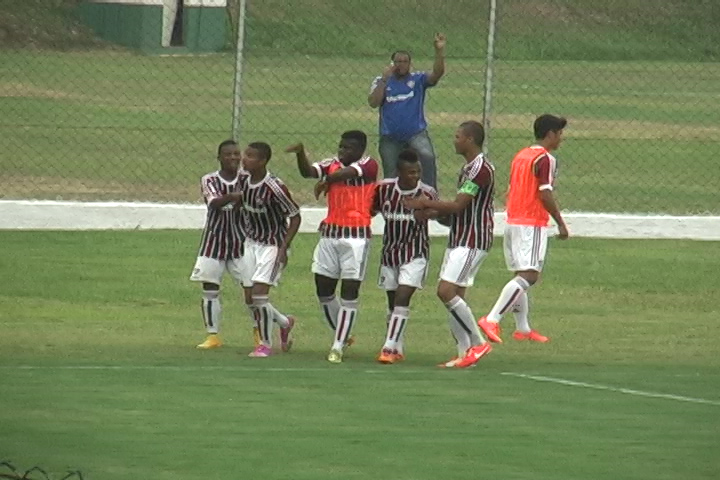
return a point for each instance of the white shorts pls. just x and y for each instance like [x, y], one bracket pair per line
[211, 270]
[260, 264]
[341, 258]
[411, 274]
[461, 264]
[525, 247]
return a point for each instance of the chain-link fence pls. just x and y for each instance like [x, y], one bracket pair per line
[637, 79]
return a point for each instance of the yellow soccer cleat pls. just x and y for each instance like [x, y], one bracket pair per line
[335, 356]
[212, 341]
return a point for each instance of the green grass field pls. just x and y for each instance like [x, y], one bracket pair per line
[98, 371]
[638, 81]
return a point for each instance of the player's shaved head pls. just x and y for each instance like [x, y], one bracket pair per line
[225, 144]
[263, 149]
[408, 156]
[474, 130]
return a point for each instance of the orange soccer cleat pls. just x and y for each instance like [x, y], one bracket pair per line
[491, 329]
[473, 355]
[532, 335]
[386, 356]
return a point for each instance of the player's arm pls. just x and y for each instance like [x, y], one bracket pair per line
[545, 172]
[222, 200]
[214, 199]
[304, 166]
[377, 89]
[376, 207]
[439, 65]
[291, 210]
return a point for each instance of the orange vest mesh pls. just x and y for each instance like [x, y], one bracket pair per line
[523, 201]
[349, 205]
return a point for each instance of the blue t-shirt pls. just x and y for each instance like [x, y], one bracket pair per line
[402, 113]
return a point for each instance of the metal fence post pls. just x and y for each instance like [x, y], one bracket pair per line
[237, 79]
[487, 101]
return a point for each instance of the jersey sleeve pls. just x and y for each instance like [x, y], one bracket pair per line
[367, 168]
[322, 167]
[208, 189]
[285, 202]
[423, 79]
[545, 167]
[477, 179]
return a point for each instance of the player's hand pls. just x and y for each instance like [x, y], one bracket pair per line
[421, 215]
[295, 148]
[563, 233]
[414, 203]
[236, 199]
[282, 255]
[320, 188]
[388, 71]
[440, 41]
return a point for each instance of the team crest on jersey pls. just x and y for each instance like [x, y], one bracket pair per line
[411, 84]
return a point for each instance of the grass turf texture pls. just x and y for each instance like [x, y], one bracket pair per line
[635, 78]
[631, 314]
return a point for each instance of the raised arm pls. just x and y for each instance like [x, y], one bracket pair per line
[439, 65]
[303, 164]
[377, 91]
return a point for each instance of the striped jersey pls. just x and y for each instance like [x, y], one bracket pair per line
[404, 237]
[266, 207]
[473, 227]
[349, 202]
[222, 237]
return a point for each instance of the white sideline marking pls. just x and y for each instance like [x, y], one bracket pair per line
[424, 371]
[627, 391]
[66, 215]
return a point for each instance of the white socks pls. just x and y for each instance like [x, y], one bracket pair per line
[520, 309]
[330, 309]
[463, 325]
[211, 310]
[396, 329]
[509, 296]
[345, 321]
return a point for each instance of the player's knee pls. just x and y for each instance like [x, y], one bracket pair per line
[350, 290]
[446, 292]
[530, 276]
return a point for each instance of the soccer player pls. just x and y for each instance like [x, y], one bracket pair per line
[405, 249]
[270, 219]
[530, 204]
[471, 236]
[222, 239]
[342, 251]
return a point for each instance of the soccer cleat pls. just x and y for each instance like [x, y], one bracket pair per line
[261, 351]
[452, 363]
[491, 329]
[256, 336]
[285, 341]
[473, 355]
[212, 341]
[387, 356]
[399, 357]
[335, 356]
[532, 335]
